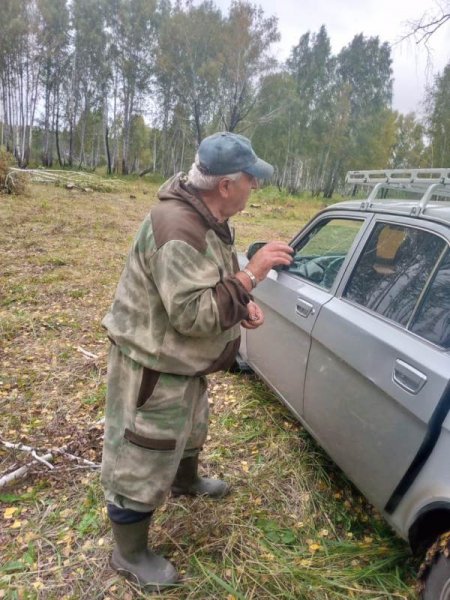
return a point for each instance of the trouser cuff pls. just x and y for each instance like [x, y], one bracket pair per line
[125, 516]
[191, 452]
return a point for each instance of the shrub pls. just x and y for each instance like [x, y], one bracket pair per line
[15, 183]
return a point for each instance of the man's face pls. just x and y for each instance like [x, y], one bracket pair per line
[238, 192]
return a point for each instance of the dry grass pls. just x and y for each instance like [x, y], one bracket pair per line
[293, 528]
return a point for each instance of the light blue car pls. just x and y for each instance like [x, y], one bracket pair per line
[356, 343]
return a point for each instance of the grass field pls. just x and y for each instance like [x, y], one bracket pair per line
[293, 528]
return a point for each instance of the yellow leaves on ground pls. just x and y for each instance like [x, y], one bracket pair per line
[9, 512]
[38, 584]
[268, 556]
[313, 546]
[67, 539]
[367, 541]
[230, 399]
[26, 537]
[304, 562]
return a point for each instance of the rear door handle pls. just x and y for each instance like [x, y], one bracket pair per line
[407, 377]
[304, 308]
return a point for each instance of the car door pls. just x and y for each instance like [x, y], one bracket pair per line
[377, 370]
[291, 300]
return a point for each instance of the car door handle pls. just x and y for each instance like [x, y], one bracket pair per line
[304, 308]
[407, 377]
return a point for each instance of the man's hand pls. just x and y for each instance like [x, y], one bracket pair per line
[255, 316]
[270, 255]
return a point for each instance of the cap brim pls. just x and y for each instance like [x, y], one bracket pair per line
[260, 169]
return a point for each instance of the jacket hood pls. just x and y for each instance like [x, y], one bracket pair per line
[177, 188]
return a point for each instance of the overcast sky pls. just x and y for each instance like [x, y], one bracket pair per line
[413, 67]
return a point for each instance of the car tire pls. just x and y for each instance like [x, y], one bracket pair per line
[437, 582]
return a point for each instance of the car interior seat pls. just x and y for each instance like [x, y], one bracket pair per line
[391, 243]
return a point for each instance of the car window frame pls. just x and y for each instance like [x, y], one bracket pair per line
[327, 215]
[441, 231]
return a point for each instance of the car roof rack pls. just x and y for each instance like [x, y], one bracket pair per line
[428, 182]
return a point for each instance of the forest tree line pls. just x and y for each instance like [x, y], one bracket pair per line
[135, 85]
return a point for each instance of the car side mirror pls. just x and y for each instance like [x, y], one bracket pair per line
[253, 249]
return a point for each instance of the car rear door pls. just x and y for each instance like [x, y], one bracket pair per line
[292, 300]
[374, 379]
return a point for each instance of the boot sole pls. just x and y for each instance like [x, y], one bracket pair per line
[135, 579]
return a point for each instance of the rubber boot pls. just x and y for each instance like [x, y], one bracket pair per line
[188, 482]
[132, 558]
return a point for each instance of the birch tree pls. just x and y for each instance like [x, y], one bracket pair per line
[439, 119]
[189, 63]
[53, 42]
[133, 25]
[247, 39]
[19, 75]
[88, 77]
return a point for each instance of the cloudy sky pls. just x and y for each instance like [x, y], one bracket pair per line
[413, 66]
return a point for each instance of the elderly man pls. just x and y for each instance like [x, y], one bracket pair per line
[175, 318]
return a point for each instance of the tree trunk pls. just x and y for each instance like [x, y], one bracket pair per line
[108, 153]
[58, 149]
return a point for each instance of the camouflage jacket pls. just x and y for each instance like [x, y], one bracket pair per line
[178, 304]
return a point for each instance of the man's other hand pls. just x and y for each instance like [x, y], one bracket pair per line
[255, 316]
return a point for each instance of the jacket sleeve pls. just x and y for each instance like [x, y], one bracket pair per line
[199, 300]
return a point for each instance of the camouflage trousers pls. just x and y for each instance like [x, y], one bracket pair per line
[152, 421]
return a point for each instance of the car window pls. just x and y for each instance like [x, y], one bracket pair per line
[432, 320]
[393, 270]
[320, 254]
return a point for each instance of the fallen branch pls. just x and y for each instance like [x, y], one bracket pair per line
[22, 471]
[31, 450]
[85, 461]
[86, 353]
[70, 179]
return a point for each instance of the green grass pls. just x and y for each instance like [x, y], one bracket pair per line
[293, 526]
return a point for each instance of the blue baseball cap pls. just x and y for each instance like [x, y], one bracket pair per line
[225, 153]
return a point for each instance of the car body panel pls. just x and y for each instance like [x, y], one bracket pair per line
[364, 386]
[288, 333]
[291, 306]
[353, 406]
[432, 486]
